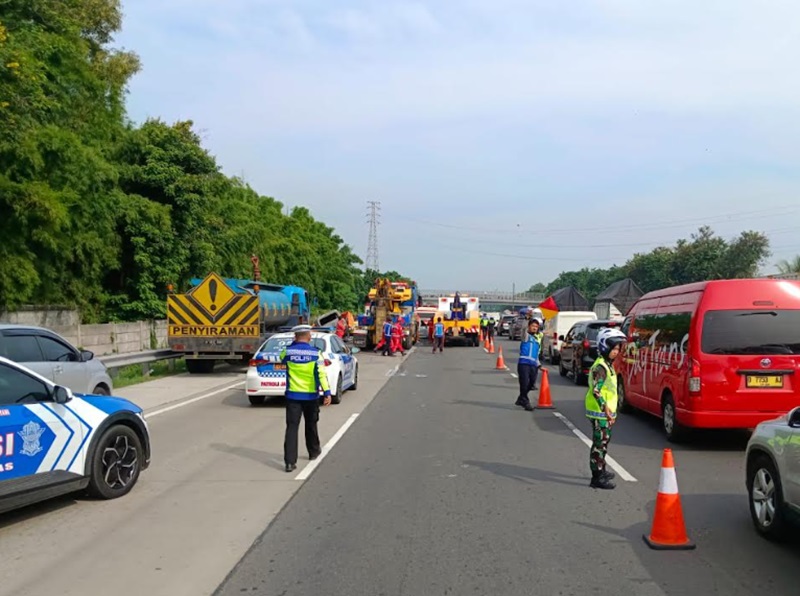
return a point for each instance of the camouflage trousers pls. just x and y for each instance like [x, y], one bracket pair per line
[601, 435]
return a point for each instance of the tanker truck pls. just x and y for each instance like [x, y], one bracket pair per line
[223, 318]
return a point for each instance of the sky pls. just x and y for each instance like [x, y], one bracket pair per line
[507, 140]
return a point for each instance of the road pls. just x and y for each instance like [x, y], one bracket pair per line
[439, 486]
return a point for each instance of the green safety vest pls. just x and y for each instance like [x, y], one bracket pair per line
[609, 391]
[483, 322]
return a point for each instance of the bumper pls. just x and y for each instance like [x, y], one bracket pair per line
[728, 420]
[264, 386]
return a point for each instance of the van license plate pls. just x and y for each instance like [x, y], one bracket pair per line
[764, 382]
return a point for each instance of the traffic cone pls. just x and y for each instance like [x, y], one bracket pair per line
[501, 365]
[669, 530]
[545, 399]
[491, 346]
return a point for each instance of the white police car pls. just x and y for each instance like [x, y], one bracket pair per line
[266, 376]
[54, 442]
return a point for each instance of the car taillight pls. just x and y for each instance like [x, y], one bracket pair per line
[257, 361]
[586, 344]
[694, 377]
[328, 362]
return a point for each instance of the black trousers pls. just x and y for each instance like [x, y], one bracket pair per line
[527, 374]
[309, 410]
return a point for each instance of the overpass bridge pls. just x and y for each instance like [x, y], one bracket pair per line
[490, 299]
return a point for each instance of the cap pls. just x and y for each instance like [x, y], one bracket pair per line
[301, 328]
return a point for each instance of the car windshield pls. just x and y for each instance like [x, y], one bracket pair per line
[276, 344]
[593, 330]
[752, 332]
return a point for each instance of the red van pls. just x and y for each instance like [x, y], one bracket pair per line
[716, 354]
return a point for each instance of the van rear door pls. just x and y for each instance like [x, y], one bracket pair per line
[751, 360]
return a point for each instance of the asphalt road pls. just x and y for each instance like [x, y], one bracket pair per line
[443, 486]
[216, 481]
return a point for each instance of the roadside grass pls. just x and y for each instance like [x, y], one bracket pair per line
[139, 373]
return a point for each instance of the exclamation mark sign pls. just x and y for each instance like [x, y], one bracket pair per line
[212, 291]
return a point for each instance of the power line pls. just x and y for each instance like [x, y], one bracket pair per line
[373, 217]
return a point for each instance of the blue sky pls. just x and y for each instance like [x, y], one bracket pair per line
[505, 139]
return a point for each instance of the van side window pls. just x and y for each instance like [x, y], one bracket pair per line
[671, 328]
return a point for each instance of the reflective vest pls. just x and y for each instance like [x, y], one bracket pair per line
[609, 391]
[305, 371]
[483, 322]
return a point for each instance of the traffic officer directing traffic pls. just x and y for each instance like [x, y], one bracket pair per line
[305, 375]
[528, 364]
[601, 404]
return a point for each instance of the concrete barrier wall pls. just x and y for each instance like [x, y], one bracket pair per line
[105, 339]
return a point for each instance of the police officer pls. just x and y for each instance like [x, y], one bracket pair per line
[601, 404]
[305, 375]
[539, 337]
[528, 364]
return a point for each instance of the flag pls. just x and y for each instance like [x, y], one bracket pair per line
[548, 307]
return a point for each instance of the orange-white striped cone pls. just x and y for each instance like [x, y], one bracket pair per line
[491, 346]
[669, 530]
[501, 365]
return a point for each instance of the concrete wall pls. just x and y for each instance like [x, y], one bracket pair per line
[108, 338]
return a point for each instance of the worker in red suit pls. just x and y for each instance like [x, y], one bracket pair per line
[341, 327]
[397, 336]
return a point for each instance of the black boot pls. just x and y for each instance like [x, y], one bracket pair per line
[608, 475]
[600, 481]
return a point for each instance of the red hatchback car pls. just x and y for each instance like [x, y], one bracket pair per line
[716, 354]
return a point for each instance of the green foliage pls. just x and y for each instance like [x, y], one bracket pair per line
[703, 257]
[100, 214]
[789, 267]
[537, 288]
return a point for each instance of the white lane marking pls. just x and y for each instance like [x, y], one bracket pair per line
[306, 472]
[485, 350]
[514, 375]
[623, 473]
[393, 371]
[191, 401]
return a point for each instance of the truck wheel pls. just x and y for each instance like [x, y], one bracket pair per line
[200, 367]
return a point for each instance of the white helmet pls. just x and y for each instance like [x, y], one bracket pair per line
[608, 339]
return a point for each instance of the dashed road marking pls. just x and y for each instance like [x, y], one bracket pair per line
[623, 473]
[306, 472]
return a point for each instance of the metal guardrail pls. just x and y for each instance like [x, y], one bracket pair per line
[115, 361]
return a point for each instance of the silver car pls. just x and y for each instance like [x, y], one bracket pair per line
[773, 475]
[54, 358]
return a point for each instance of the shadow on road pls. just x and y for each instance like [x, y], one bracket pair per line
[52, 506]
[730, 557]
[239, 400]
[486, 404]
[272, 460]
[527, 475]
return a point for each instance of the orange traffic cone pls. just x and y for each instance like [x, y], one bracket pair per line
[545, 399]
[501, 365]
[669, 530]
[491, 346]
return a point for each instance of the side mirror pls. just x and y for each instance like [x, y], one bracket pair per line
[794, 418]
[86, 355]
[355, 350]
[560, 338]
[61, 395]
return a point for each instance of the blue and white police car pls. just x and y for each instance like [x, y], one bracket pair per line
[266, 376]
[54, 442]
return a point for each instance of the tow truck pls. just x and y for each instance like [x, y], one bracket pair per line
[460, 323]
[388, 299]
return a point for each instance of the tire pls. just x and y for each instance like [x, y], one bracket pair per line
[355, 380]
[200, 367]
[116, 463]
[765, 496]
[577, 376]
[407, 344]
[100, 390]
[337, 397]
[561, 370]
[256, 400]
[669, 421]
[622, 404]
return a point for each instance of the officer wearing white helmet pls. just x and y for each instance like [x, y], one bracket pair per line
[601, 404]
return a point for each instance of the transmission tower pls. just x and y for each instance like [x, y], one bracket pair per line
[373, 217]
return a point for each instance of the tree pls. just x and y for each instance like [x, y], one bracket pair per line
[537, 288]
[787, 267]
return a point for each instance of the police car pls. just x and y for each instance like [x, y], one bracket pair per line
[266, 376]
[54, 442]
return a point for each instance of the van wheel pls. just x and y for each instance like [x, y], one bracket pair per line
[622, 403]
[672, 428]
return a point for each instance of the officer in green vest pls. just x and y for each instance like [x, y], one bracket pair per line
[601, 404]
[484, 322]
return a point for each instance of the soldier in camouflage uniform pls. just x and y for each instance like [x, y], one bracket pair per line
[601, 404]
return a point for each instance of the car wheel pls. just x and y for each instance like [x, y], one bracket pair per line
[256, 400]
[100, 390]
[672, 428]
[622, 403]
[766, 498]
[561, 370]
[116, 463]
[355, 380]
[337, 397]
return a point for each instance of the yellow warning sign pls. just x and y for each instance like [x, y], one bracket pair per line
[213, 294]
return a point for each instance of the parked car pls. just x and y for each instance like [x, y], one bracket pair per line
[516, 328]
[53, 357]
[55, 442]
[579, 349]
[558, 326]
[716, 354]
[504, 325]
[266, 376]
[773, 475]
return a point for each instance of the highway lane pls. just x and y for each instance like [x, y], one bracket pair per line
[444, 487]
[216, 481]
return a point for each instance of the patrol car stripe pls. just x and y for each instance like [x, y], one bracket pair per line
[93, 416]
[73, 423]
[84, 438]
[58, 444]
